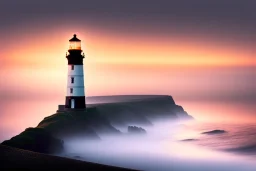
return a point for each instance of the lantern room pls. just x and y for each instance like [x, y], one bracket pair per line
[74, 43]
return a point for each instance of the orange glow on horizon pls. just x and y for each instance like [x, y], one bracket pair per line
[128, 51]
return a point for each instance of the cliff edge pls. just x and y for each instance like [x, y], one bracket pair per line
[103, 115]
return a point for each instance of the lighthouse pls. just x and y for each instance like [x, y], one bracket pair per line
[75, 98]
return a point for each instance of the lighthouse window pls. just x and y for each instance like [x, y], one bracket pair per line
[72, 79]
[71, 90]
[72, 67]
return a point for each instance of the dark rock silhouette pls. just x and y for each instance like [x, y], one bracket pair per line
[246, 149]
[137, 109]
[77, 157]
[190, 139]
[18, 159]
[98, 119]
[69, 124]
[136, 130]
[36, 139]
[217, 131]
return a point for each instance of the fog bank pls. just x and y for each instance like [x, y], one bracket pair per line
[159, 149]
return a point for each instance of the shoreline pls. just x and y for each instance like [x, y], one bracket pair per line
[14, 158]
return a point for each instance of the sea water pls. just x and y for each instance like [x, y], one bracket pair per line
[174, 146]
[163, 147]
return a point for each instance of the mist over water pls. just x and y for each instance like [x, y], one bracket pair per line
[160, 149]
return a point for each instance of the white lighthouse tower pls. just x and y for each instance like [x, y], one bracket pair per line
[75, 98]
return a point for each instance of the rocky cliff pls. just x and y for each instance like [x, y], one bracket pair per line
[138, 109]
[104, 116]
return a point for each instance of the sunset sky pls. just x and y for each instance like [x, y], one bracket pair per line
[196, 51]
